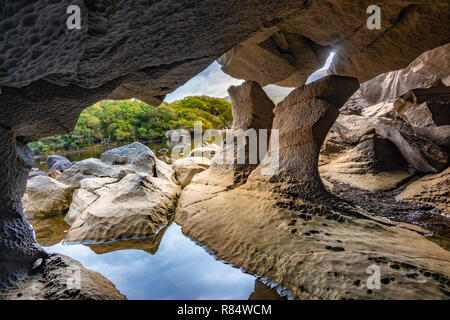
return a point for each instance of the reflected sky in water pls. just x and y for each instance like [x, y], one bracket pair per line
[180, 269]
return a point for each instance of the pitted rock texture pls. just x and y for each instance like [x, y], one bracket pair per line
[128, 49]
[18, 249]
[62, 278]
[286, 227]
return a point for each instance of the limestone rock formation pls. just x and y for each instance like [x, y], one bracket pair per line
[430, 67]
[433, 190]
[421, 154]
[374, 164]
[439, 135]
[425, 107]
[45, 195]
[187, 168]
[251, 106]
[62, 278]
[286, 227]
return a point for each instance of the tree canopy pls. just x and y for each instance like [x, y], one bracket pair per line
[118, 122]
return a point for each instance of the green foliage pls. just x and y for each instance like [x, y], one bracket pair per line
[112, 122]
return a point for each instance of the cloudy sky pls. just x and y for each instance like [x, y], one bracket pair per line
[213, 82]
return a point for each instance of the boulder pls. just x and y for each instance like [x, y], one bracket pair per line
[430, 67]
[374, 164]
[187, 168]
[425, 107]
[354, 105]
[45, 195]
[423, 155]
[351, 128]
[136, 206]
[433, 190]
[80, 201]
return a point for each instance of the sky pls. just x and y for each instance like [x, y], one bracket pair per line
[213, 82]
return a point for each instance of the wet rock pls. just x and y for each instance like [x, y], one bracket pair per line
[45, 195]
[432, 190]
[374, 164]
[136, 206]
[425, 107]
[428, 68]
[421, 154]
[63, 278]
[187, 168]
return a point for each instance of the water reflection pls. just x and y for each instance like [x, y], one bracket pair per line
[168, 266]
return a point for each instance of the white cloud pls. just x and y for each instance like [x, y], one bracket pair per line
[211, 82]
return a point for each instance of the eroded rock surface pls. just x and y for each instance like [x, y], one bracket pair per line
[421, 154]
[425, 107]
[287, 227]
[62, 278]
[374, 164]
[128, 193]
[45, 195]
